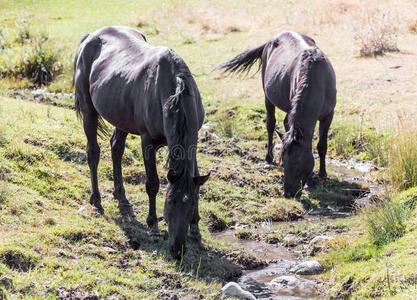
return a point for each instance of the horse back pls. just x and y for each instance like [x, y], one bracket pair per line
[282, 64]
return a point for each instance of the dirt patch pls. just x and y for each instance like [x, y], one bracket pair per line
[18, 260]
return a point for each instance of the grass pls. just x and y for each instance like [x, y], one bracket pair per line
[47, 183]
[30, 56]
[387, 223]
[44, 177]
[402, 163]
[380, 264]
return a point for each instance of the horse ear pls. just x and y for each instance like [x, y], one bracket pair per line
[173, 176]
[200, 180]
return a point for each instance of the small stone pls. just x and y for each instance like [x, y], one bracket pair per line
[363, 202]
[233, 289]
[309, 267]
[109, 249]
[82, 210]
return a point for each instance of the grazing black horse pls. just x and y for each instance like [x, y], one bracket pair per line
[299, 79]
[148, 91]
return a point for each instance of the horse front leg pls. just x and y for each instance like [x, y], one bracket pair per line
[117, 143]
[194, 232]
[322, 144]
[270, 126]
[149, 148]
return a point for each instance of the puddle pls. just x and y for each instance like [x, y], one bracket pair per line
[275, 281]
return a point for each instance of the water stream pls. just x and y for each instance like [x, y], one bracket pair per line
[275, 281]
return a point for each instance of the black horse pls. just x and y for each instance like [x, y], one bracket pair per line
[299, 79]
[148, 91]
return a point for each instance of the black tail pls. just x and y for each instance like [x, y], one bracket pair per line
[102, 128]
[244, 61]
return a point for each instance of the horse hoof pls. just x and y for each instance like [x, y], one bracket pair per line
[126, 209]
[97, 208]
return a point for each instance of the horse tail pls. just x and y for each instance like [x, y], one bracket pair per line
[76, 98]
[244, 61]
[102, 128]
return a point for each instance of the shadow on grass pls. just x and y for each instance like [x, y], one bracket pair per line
[199, 260]
[333, 197]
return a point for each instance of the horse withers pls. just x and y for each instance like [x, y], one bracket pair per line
[147, 91]
[298, 79]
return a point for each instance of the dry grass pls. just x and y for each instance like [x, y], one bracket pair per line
[402, 159]
[412, 26]
[379, 36]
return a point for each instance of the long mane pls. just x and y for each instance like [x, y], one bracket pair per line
[299, 91]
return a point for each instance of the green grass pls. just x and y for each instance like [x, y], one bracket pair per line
[381, 264]
[45, 181]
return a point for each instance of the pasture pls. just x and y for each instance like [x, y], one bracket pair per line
[52, 245]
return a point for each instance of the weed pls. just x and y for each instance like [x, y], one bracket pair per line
[31, 57]
[402, 161]
[378, 37]
[244, 233]
[387, 222]
[412, 26]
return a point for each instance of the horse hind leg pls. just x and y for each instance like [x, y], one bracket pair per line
[117, 143]
[90, 123]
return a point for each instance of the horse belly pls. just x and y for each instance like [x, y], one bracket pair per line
[276, 93]
[118, 108]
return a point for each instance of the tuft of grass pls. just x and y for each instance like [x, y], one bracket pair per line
[350, 140]
[402, 162]
[32, 57]
[412, 26]
[244, 233]
[378, 36]
[387, 223]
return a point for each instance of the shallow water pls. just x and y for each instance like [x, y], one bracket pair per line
[260, 282]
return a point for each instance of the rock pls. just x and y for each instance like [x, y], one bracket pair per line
[290, 283]
[318, 239]
[309, 267]
[6, 282]
[233, 289]
[290, 240]
[109, 249]
[82, 210]
[363, 202]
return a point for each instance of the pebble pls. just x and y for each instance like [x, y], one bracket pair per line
[233, 289]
